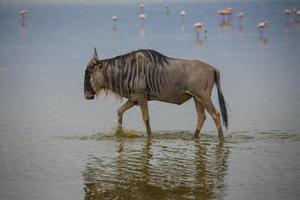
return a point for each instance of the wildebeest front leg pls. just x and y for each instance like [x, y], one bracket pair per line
[127, 105]
[143, 102]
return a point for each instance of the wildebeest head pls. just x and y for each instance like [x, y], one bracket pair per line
[92, 79]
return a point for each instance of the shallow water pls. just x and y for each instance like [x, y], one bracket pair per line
[174, 166]
[56, 145]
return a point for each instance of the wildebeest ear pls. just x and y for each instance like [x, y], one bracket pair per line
[95, 55]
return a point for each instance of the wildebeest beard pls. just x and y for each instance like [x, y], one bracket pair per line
[89, 92]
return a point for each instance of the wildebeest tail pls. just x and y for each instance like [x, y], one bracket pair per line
[222, 102]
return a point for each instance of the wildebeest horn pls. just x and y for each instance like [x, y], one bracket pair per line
[95, 53]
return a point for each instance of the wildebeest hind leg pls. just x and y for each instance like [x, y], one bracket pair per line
[201, 117]
[208, 105]
[215, 115]
[127, 105]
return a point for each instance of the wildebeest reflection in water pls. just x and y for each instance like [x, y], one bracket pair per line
[146, 75]
[159, 170]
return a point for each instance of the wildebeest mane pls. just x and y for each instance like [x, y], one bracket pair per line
[154, 57]
[138, 70]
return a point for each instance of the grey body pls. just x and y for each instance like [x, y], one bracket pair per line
[146, 75]
[184, 76]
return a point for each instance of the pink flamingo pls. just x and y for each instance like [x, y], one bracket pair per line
[287, 13]
[141, 8]
[262, 25]
[22, 15]
[240, 15]
[225, 12]
[114, 18]
[297, 13]
[23, 12]
[183, 14]
[198, 26]
[167, 9]
[142, 29]
[142, 18]
[225, 23]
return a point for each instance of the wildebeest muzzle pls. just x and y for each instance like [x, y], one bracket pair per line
[89, 92]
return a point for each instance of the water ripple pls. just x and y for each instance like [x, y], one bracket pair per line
[206, 137]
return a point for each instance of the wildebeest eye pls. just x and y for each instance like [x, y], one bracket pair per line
[100, 65]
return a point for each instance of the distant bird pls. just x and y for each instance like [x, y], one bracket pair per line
[198, 25]
[262, 25]
[114, 18]
[142, 16]
[297, 13]
[141, 8]
[183, 14]
[288, 11]
[240, 15]
[22, 15]
[225, 12]
[22, 12]
[167, 9]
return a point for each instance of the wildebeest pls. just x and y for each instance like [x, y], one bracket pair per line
[145, 75]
